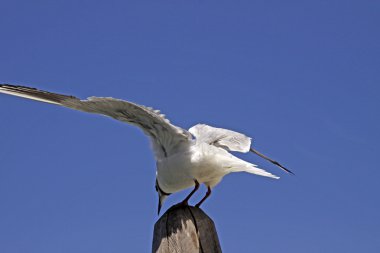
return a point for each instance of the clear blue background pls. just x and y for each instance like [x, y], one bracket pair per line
[300, 77]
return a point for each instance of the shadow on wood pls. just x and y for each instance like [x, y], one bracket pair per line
[185, 229]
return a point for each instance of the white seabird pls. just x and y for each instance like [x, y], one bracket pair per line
[184, 158]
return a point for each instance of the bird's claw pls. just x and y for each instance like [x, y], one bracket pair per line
[183, 203]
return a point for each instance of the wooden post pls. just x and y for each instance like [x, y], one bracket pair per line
[185, 229]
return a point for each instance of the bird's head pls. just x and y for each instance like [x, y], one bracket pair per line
[161, 197]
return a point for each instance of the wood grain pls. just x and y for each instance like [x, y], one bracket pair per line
[185, 229]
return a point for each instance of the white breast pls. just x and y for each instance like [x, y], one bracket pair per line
[202, 162]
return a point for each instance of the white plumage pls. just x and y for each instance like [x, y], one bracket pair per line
[222, 138]
[184, 158]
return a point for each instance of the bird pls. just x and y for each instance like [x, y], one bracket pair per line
[184, 158]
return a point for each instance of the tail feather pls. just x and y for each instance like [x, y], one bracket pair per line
[238, 165]
[260, 172]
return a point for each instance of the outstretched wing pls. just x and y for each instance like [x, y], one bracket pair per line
[223, 138]
[165, 136]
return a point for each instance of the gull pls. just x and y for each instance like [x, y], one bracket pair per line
[184, 158]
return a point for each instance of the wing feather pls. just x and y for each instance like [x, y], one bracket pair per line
[223, 138]
[165, 136]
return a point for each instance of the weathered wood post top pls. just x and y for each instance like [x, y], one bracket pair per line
[185, 229]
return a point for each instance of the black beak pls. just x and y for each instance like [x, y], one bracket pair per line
[270, 160]
[159, 206]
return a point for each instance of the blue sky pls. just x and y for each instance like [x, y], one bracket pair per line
[300, 77]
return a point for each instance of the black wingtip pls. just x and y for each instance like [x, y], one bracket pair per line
[16, 86]
[272, 161]
[34, 94]
[285, 169]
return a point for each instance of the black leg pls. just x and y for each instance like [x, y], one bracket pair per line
[208, 193]
[196, 187]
